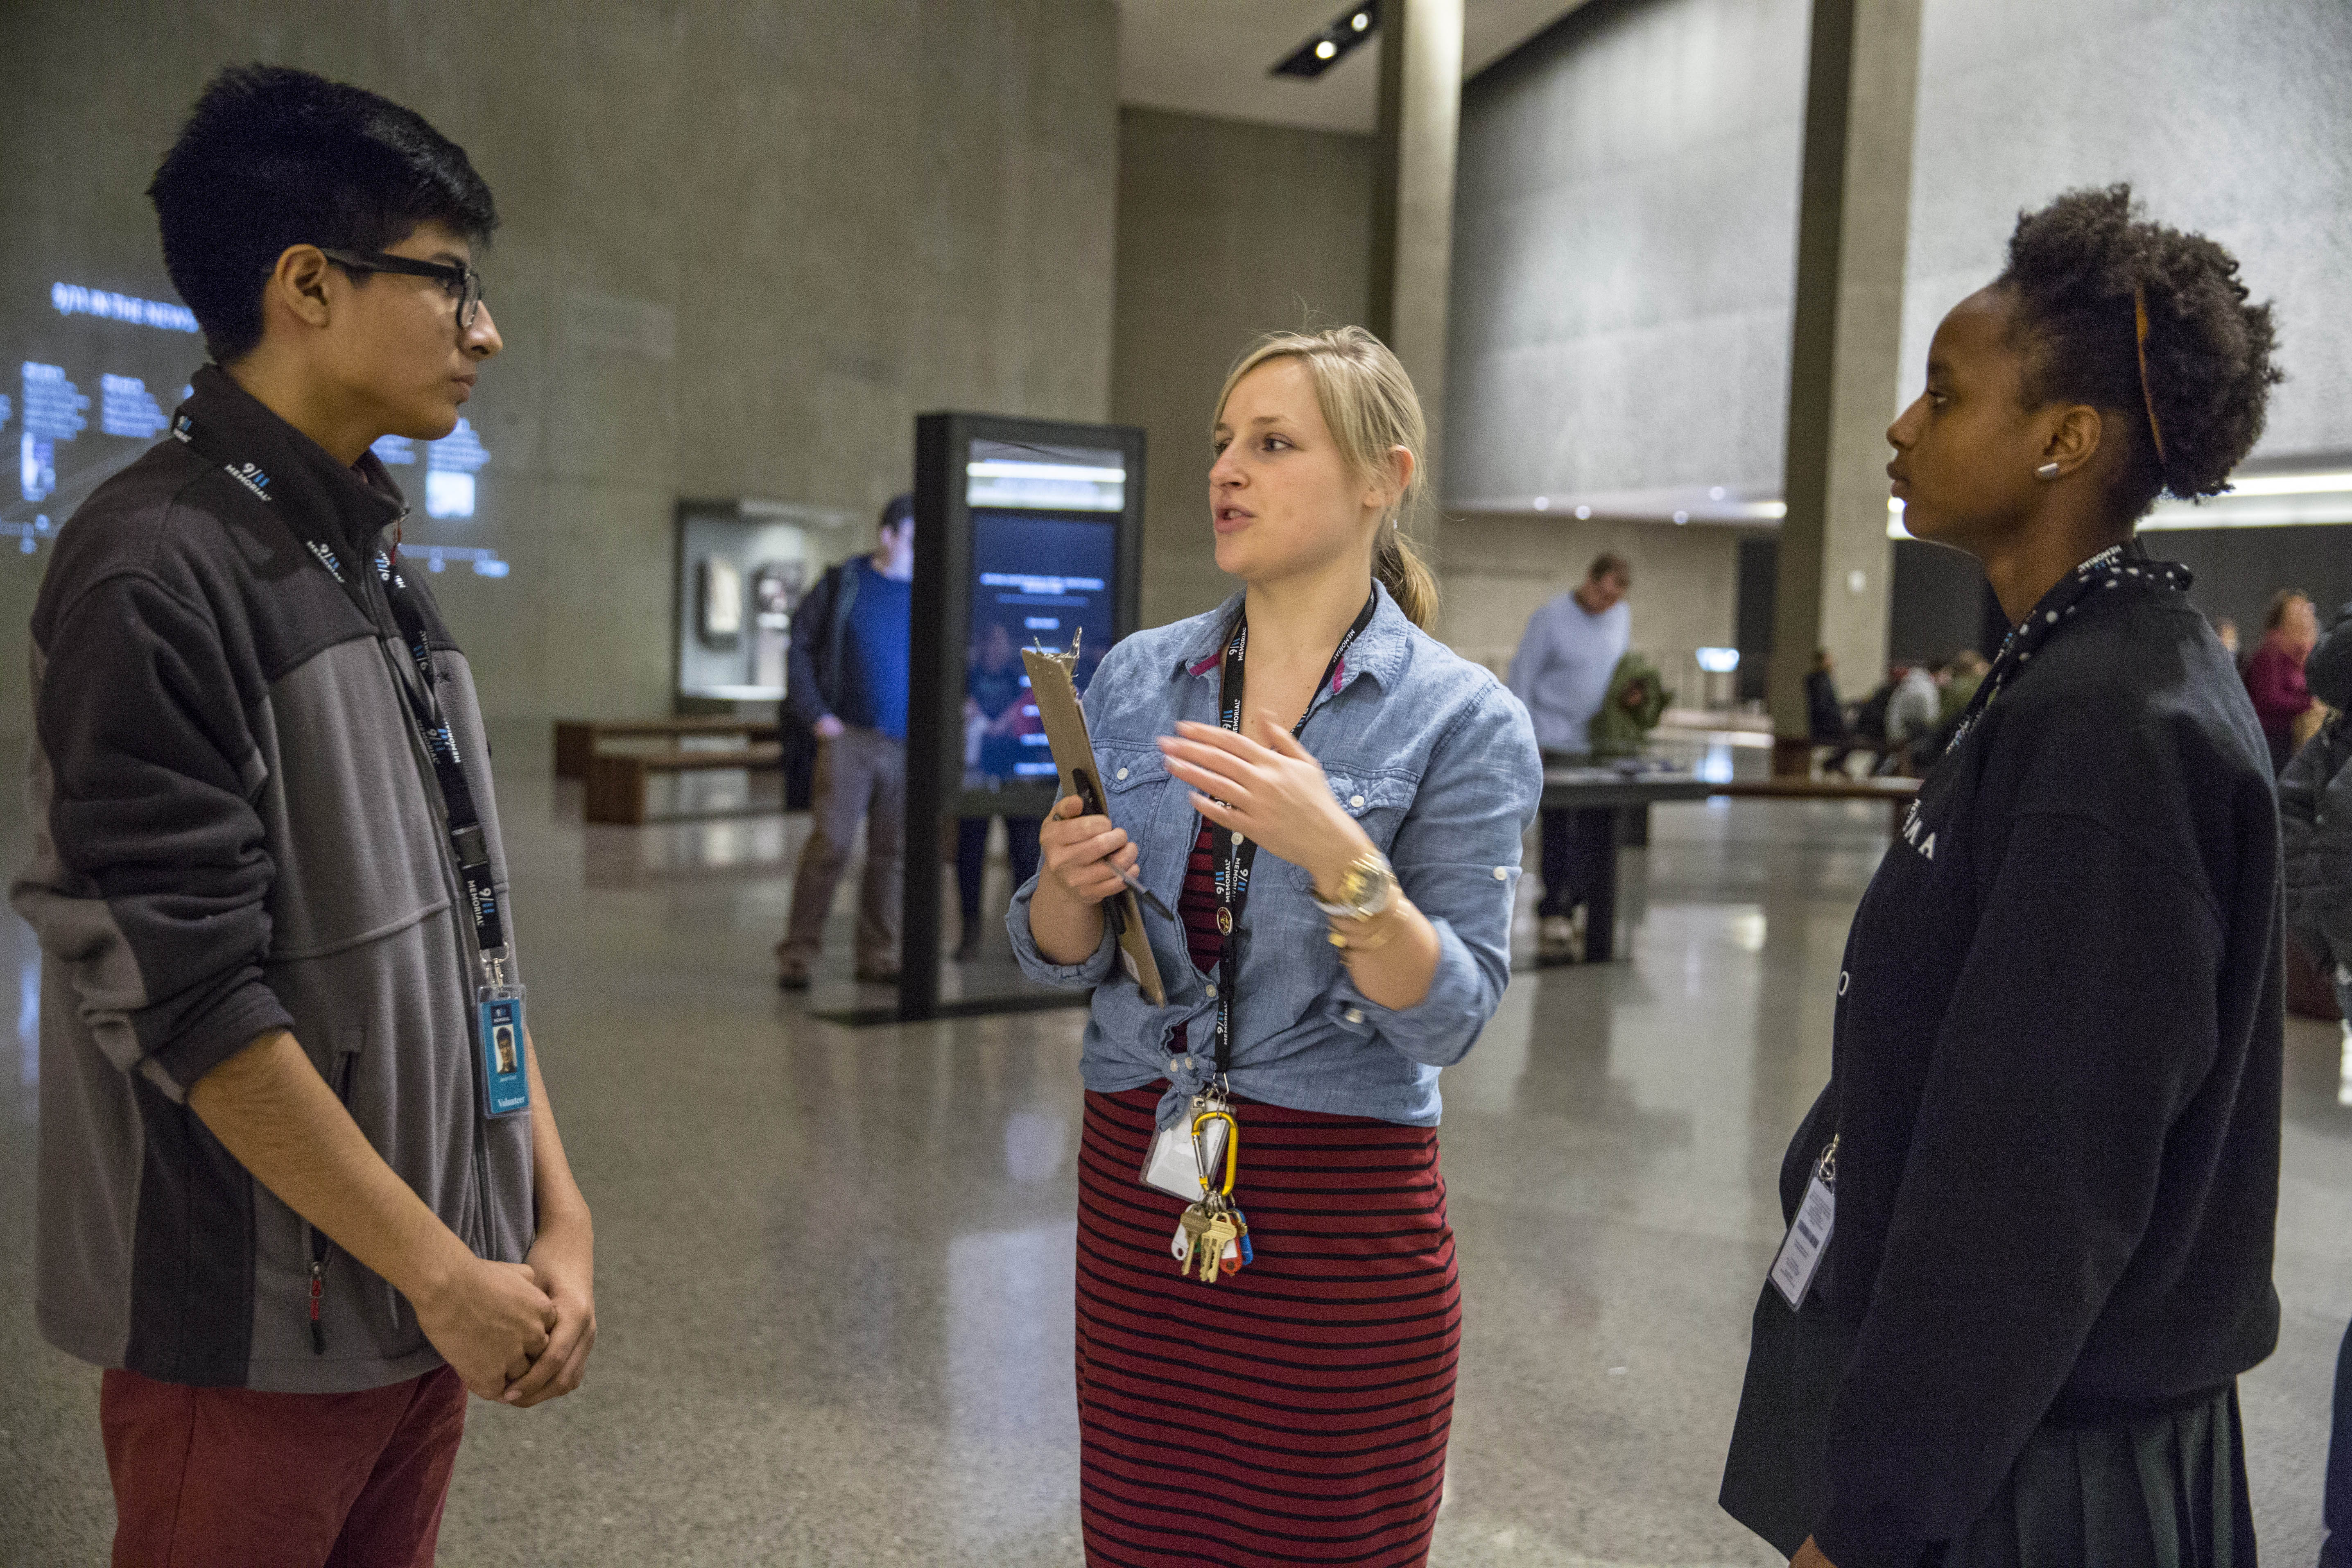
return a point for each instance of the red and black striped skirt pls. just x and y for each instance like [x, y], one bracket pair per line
[1297, 1411]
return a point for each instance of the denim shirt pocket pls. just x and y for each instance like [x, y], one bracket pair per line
[1379, 803]
[1376, 801]
[1135, 792]
[1132, 779]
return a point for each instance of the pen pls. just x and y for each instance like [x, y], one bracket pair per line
[1147, 895]
[1090, 797]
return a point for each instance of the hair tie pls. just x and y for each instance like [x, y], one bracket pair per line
[2147, 396]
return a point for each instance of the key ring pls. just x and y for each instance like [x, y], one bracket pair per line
[1233, 1148]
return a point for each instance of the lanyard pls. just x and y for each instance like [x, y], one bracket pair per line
[1239, 852]
[467, 842]
[2107, 570]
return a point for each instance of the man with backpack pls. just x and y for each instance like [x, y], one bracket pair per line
[847, 685]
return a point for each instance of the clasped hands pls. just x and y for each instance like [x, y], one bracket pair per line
[518, 1332]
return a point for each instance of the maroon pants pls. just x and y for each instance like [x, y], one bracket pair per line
[226, 1476]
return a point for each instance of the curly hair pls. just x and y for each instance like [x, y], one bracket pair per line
[2076, 270]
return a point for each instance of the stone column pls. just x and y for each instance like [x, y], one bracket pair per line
[1835, 563]
[1412, 192]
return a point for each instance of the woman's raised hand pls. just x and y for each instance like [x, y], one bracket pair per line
[1272, 790]
[1083, 856]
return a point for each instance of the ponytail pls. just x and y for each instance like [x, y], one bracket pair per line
[1407, 577]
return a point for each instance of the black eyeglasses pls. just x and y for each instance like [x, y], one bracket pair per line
[459, 281]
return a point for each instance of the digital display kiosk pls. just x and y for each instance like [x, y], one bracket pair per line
[1027, 532]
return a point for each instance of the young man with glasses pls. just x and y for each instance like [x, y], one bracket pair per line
[292, 1199]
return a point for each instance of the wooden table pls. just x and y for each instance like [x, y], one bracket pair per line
[1573, 788]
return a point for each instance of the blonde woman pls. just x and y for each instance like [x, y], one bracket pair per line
[1332, 802]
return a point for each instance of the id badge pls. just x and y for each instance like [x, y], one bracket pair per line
[504, 1071]
[1171, 1168]
[1808, 1239]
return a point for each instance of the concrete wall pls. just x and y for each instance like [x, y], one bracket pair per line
[1500, 567]
[1625, 241]
[744, 244]
[2228, 119]
[1225, 230]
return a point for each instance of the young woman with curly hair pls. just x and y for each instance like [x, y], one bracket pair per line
[2046, 1163]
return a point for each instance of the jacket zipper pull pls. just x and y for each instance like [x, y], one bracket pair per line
[318, 1296]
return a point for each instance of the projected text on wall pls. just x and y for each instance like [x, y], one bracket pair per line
[95, 374]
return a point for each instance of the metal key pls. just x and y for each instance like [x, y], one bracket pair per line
[1243, 1253]
[1189, 1231]
[1221, 1230]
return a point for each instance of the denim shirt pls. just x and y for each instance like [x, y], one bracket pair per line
[1433, 757]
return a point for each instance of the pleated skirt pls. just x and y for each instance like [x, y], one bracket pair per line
[2164, 1491]
[1297, 1412]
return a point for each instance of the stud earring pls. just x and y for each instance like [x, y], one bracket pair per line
[2046, 471]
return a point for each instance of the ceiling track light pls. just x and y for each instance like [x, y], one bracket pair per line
[1329, 44]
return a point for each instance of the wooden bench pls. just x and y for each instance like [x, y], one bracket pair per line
[616, 780]
[578, 740]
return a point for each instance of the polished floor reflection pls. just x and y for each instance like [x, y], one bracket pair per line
[834, 1264]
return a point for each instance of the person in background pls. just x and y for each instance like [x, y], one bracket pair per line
[1561, 671]
[2274, 678]
[2315, 831]
[1958, 683]
[848, 685]
[281, 1204]
[2047, 1158]
[1962, 676]
[2227, 630]
[1913, 712]
[997, 713]
[1825, 720]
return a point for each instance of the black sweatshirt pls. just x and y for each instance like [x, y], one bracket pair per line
[2056, 1073]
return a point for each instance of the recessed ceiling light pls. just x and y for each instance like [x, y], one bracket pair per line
[1327, 45]
[1584, 511]
[1543, 503]
[1682, 517]
[1714, 492]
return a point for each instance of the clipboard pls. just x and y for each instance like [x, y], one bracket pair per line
[1056, 696]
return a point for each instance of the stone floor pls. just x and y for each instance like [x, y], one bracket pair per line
[835, 1264]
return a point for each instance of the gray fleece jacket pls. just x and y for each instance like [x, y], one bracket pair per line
[236, 829]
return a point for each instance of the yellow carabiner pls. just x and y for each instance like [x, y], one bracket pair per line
[1233, 1143]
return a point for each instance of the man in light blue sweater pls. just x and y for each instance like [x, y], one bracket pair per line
[1567, 657]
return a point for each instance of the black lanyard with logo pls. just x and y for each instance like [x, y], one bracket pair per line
[2109, 569]
[498, 1003]
[1239, 854]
